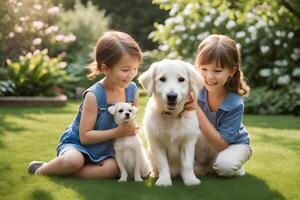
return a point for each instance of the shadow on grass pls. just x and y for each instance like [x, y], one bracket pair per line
[211, 188]
[29, 113]
[39, 194]
[7, 127]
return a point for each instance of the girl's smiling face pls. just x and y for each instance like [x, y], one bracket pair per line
[215, 77]
[122, 73]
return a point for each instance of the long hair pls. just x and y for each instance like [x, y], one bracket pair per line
[110, 47]
[222, 51]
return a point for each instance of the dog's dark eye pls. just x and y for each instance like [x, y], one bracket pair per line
[120, 111]
[181, 79]
[130, 110]
[162, 79]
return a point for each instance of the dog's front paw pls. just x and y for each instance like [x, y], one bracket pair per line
[138, 179]
[123, 179]
[191, 181]
[164, 181]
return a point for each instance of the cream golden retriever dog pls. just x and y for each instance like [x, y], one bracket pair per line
[130, 153]
[171, 131]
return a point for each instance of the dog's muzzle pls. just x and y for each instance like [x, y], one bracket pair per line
[172, 100]
[127, 115]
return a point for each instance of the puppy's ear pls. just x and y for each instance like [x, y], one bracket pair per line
[196, 80]
[112, 109]
[147, 79]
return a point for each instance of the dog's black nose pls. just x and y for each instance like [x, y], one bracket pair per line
[127, 115]
[172, 96]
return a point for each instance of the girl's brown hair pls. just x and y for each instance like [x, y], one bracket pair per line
[222, 51]
[110, 47]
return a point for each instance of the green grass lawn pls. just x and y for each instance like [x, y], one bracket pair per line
[28, 134]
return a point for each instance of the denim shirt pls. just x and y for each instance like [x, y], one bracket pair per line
[229, 117]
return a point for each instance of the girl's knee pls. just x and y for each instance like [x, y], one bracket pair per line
[226, 167]
[72, 163]
[111, 167]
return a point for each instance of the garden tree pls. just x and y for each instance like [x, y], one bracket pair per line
[267, 32]
[135, 17]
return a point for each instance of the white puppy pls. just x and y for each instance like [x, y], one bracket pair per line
[171, 131]
[129, 151]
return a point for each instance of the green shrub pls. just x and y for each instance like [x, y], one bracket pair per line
[6, 87]
[87, 23]
[36, 75]
[281, 101]
[135, 17]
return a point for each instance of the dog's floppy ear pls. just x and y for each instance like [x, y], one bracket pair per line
[147, 79]
[196, 80]
[112, 109]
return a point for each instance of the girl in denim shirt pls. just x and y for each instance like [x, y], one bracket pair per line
[86, 146]
[220, 107]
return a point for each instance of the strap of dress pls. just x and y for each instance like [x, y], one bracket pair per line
[99, 92]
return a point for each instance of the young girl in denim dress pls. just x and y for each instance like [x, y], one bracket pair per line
[220, 106]
[86, 146]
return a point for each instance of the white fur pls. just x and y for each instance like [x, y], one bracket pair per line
[130, 153]
[172, 136]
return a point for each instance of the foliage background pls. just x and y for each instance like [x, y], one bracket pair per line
[267, 33]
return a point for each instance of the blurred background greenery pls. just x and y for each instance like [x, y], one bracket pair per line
[46, 44]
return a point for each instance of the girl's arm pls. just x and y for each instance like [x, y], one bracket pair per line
[209, 131]
[87, 122]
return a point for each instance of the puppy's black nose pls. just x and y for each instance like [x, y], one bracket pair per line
[127, 115]
[172, 96]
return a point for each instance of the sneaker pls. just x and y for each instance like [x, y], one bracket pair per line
[240, 172]
[33, 166]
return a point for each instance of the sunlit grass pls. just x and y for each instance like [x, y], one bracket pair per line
[28, 134]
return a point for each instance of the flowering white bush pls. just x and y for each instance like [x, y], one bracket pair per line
[31, 25]
[266, 32]
[39, 24]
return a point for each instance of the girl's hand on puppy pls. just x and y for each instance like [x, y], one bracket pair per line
[127, 129]
[191, 104]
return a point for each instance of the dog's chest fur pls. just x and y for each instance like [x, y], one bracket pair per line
[172, 130]
[128, 142]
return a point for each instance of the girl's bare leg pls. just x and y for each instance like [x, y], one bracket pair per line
[107, 168]
[68, 163]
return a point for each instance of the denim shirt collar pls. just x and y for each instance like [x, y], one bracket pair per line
[231, 101]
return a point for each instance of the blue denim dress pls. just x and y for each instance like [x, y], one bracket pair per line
[98, 151]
